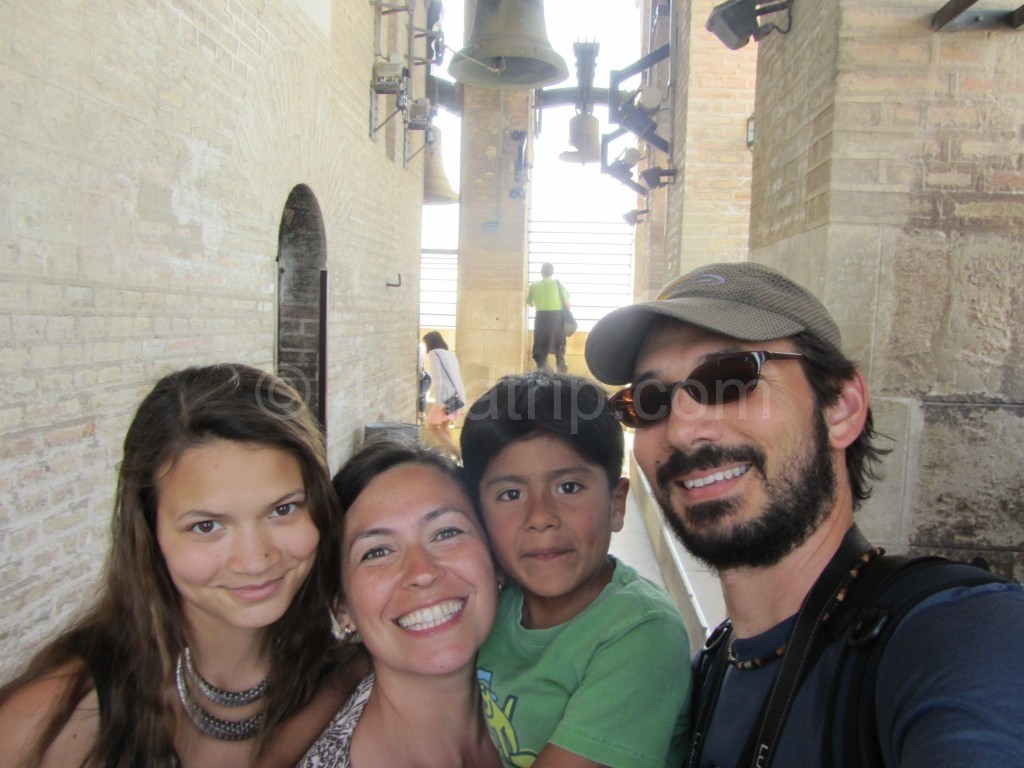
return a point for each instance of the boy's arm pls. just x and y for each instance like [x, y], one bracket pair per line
[632, 707]
[553, 756]
[298, 733]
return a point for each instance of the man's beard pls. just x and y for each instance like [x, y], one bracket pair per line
[798, 500]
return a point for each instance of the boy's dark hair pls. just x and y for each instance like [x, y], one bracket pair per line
[573, 409]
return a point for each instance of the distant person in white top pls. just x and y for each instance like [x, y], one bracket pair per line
[445, 383]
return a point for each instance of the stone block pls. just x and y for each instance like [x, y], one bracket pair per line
[967, 495]
[882, 516]
[486, 309]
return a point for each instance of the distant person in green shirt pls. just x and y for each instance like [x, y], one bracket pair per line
[548, 296]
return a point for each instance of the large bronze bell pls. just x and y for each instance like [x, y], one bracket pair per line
[508, 48]
[436, 188]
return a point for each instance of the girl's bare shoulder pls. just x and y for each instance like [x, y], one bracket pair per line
[26, 714]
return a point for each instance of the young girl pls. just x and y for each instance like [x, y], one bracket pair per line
[212, 626]
[445, 383]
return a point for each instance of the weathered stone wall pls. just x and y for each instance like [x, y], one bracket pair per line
[888, 178]
[148, 151]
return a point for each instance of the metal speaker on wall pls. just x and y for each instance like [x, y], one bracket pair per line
[436, 188]
[508, 48]
[585, 138]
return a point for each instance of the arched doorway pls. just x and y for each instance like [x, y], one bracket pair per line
[302, 299]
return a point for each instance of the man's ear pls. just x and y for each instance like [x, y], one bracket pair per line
[618, 503]
[846, 416]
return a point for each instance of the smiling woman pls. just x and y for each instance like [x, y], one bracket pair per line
[213, 625]
[236, 534]
[420, 592]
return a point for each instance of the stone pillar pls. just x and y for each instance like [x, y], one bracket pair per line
[887, 178]
[493, 217]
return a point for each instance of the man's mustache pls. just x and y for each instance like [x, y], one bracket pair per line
[707, 457]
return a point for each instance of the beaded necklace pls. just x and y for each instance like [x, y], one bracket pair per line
[219, 695]
[840, 596]
[209, 724]
[757, 661]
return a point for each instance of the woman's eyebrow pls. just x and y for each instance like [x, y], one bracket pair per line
[205, 514]
[427, 518]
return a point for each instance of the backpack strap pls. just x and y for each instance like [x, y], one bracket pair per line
[805, 643]
[892, 587]
[708, 674]
[561, 293]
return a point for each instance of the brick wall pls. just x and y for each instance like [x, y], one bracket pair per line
[148, 151]
[704, 216]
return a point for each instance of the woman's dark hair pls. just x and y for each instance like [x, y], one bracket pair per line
[573, 409]
[434, 340]
[826, 369]
[382, 453]
[126, 646]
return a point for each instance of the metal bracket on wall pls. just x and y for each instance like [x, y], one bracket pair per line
[521, 165]
[627, 115]
[632, 120]
[621, 111]
[373, 113]
[392, 74]
[957, 15]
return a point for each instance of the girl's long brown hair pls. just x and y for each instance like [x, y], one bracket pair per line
[125, 647]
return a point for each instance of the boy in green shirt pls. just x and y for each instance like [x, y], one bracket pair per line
[588, 663]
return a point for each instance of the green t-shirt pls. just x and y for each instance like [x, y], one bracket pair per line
[611, 685]
[545, 295]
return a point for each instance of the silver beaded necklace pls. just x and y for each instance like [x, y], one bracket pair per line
[206, 723]
[219, 695]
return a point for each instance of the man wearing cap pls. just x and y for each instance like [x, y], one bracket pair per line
[755, 433]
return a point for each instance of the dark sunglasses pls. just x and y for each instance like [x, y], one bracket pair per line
[723, 379]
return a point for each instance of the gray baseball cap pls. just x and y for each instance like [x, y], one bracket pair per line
[743, 300]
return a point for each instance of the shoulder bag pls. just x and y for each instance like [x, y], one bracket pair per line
[454, 402]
